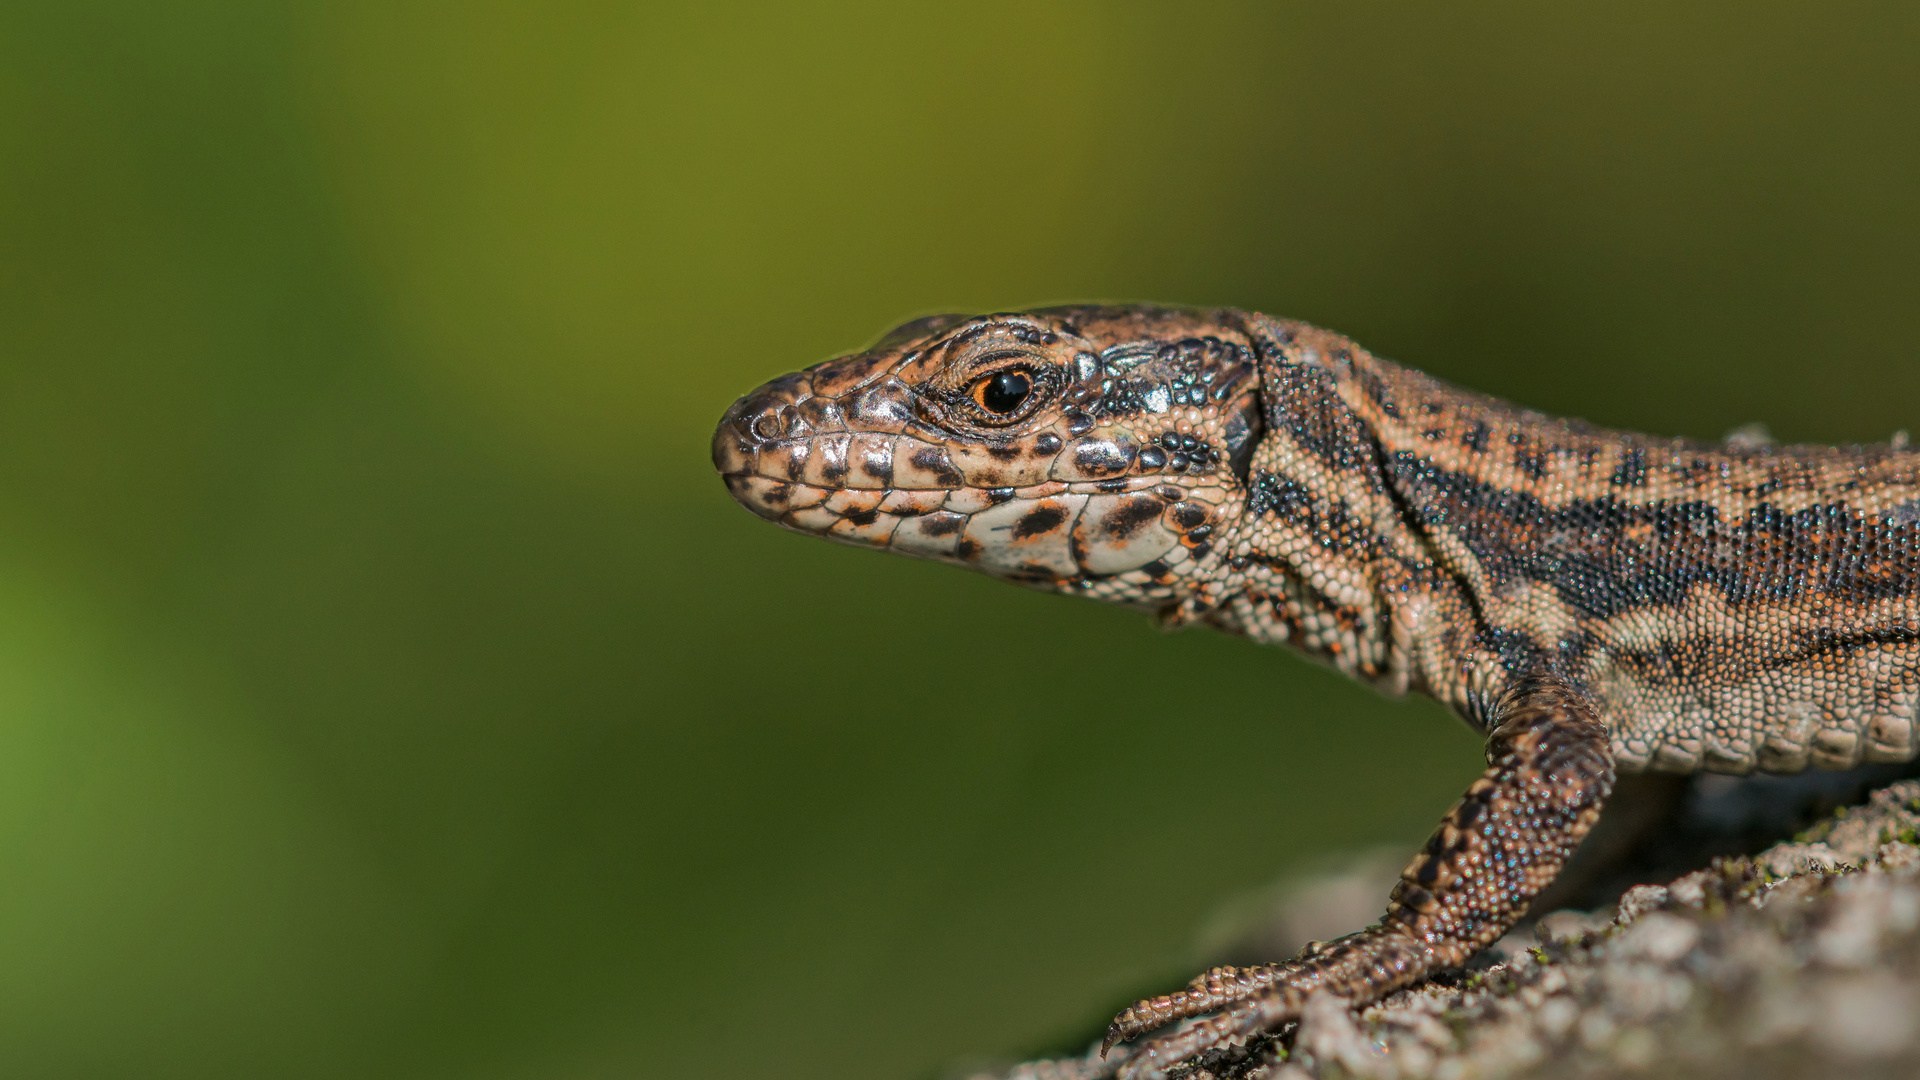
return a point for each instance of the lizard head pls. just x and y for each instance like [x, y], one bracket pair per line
[1086, 449]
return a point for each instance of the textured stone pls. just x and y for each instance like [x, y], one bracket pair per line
[1801, 961]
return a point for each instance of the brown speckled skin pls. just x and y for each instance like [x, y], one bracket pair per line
[1590, 599]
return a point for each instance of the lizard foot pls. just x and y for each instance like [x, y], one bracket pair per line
[1549, 770]
[1245, 1002]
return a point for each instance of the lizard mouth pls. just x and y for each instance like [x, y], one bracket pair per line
[793, 457]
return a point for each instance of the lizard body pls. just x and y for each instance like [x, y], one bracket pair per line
[1588, 599]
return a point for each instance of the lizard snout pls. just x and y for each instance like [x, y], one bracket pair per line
[763, 442]
[767, 421]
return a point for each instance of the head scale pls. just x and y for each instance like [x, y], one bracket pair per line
[1091, 449]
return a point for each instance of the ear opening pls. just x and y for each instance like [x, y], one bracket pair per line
[1242, 435]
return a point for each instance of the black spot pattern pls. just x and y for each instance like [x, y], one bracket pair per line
[1604, 557]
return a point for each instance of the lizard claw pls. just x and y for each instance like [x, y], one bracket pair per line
[1141, 1017]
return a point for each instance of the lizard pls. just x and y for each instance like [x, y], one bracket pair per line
[1594, 602]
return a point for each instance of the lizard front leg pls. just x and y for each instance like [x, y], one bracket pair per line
[1549, 771]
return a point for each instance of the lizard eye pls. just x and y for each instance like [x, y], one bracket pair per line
[1002, 393]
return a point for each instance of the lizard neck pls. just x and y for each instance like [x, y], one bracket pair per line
[1326, 555]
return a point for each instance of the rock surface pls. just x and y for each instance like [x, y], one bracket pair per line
[1801, 961]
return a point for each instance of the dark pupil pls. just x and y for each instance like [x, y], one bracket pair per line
[1005, 391]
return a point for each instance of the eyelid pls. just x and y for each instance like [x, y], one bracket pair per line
[976, 366]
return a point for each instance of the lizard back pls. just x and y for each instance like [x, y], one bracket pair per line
[1731, 607]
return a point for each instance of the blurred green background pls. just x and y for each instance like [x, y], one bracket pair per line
[387, 688]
